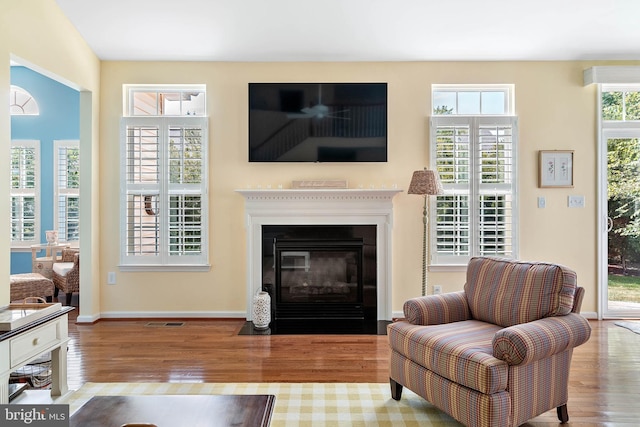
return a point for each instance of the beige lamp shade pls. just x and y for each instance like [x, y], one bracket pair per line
[425, 182]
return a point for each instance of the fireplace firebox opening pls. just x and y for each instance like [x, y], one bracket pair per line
[318, 278]
[320, 272]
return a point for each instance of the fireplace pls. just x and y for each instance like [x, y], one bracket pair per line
[318, 279]
[323, 207]
[321, 271]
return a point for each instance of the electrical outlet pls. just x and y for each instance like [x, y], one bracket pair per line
[437, 289]
[542, 202]
[111, 278]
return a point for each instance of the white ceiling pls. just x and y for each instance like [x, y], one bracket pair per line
[358, 30]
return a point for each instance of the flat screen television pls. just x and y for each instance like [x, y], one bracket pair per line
[317, 122]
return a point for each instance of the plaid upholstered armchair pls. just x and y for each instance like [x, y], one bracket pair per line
[66, 274]
[497, 353]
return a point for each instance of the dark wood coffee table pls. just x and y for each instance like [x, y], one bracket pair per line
[176, 411]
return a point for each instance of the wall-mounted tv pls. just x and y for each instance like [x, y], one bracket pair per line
[317, 122]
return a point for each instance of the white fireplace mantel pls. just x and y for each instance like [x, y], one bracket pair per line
[320, 207]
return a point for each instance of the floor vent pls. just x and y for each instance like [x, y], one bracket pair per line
[165, 324]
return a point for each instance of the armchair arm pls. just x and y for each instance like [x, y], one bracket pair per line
[527, 342]
[437, 309]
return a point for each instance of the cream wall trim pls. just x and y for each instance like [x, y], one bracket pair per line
[612, 74]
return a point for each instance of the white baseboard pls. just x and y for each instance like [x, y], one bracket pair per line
[589, 314]
[172, 315]
[204, 315]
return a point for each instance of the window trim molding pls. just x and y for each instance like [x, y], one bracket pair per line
[611, 74]
[607, 78]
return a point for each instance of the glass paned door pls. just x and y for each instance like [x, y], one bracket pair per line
[623, 225]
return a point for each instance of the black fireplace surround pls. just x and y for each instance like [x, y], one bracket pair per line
[320, 274]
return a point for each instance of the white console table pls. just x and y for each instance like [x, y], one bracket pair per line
[27, 342]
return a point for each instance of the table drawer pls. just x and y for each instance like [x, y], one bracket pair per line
[33, 343]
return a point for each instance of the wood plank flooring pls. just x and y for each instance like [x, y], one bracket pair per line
[604, 380]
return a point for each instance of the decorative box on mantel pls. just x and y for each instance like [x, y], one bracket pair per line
[320, 206]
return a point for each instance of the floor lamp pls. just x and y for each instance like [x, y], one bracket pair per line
[425, 183]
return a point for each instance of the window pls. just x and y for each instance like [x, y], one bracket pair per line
[166, 100]
[21, 103]
[67, 190]
[472, 100]
[475, 159]
[164, 200]
[620, 103]
[25, 193]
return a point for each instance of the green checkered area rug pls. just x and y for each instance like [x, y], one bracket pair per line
[299, 404]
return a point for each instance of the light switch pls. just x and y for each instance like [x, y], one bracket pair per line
[576, 201]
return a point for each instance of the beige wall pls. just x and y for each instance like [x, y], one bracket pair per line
[555, 112]
[38, 35]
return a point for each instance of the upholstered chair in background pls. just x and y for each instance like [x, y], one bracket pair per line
[66, 274]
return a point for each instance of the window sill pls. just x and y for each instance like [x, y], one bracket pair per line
[21, 249]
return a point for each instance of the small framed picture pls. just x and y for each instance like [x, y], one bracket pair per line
[555, 168]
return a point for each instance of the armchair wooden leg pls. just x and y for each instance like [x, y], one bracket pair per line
[69, 295]
[396, 390]
[563, 414]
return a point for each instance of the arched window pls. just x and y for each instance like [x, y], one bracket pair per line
[22, 103]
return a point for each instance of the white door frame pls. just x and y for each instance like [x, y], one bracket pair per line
[620, 130]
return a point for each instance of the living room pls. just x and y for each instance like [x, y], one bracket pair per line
[555, 110]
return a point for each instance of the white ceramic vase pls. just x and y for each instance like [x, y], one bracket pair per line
[51, 236]
[261, 310]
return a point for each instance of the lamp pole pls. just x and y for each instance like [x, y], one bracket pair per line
[425, 220]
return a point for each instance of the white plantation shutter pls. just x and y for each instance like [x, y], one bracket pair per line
[25, 193]
[165, 175]
[67, 190]
[475, 158]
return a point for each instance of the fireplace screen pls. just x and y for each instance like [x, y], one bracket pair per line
[318, 278]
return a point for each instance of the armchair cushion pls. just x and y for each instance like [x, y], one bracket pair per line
[460, 351]
[523, 344]
[437, 309]
[62, 268]
[507, 293]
